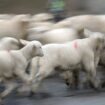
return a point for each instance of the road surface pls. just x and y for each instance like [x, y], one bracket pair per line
[55, 92]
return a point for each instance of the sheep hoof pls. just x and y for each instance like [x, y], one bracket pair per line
[1, 101]
[72, 87]
[67, 84]
[31, 94]
[96, 88]
[103, 85]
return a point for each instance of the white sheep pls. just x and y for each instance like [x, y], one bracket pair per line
[6, 16]
[60, 35]
[16, 27]
[67, 57]
[99, 58]
[13, 64]
[91, 22]
[9, 43]
[42, 17]
[42, 24]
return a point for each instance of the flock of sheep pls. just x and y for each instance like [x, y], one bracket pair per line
[68, 47]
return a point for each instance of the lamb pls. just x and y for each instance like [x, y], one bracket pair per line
[62, 56]
[16, 27]
[61, 35]
[72, 79]
[6, 16]
[74, 82]
[92, 22]
[42, 24]
[8, 43]
[13, 64]
[42, 17]
[42, 20]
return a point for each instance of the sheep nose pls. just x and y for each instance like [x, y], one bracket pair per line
[67, 82]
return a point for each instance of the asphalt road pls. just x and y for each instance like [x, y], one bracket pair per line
[55, 92]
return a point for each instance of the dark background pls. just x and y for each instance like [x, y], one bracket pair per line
[73, 7]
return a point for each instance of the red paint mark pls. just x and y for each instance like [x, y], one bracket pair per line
[75, 44]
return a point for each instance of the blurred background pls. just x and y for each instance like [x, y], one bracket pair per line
[73, 7]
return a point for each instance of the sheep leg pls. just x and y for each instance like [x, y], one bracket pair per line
[24, 76]
[91, 73]
[37, 81]
[40, 76]
[71, 78]
[97, 58]
[75, 79]
[68, 77]
[10, 85]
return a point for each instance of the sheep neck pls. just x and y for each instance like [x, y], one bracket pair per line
[26, 51]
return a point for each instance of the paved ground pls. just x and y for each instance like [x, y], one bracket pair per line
[55, 92]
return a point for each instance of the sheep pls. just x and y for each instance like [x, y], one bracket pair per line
[36, 30]
[68, 57]
[8, 43]
[6, 16]
[49, 24]
[91, 22]
[16, 27]
[42, 24]
[13, 64]
[10, 16]
[42, 17]
[61, 35]
[72, 80]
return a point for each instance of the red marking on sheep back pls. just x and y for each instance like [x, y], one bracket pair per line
[75, 44]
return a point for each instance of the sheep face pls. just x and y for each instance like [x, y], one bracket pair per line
[37, 49]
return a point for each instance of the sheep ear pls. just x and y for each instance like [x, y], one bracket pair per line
[23, 42]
